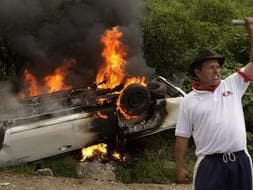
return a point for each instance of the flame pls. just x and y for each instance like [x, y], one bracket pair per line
[32, 84]
[112, 73]
[118, 156]
[100, 151]
[55, 82]
[107, 99]
[94, 150]
[132, 80]
[101, 100]
[52, 83]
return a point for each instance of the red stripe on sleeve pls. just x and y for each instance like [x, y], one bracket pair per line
[246, 77]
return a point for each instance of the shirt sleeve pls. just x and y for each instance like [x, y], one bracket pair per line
[246, 77]
[183, 126]
[238, 83]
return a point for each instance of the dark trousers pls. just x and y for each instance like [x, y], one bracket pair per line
[224, 172]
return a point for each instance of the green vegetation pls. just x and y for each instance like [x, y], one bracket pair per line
[174, 31]
[154, 162]
[61, 165]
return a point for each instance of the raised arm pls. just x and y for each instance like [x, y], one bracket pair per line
[249, 27]
[183, 176]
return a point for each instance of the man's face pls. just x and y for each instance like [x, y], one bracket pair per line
[209, 73]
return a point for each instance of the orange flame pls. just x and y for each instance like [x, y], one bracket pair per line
[32, 84]
[55, 82]
[112, 73]
[91, 151]
[118, 156]
[100, 151]
[52, 83]
[101, 100]
[132, 80]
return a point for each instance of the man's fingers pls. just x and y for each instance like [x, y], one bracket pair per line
[183, 176]
[186, 178]
[189, 177]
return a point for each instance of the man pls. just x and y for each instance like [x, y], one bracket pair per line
[212, 113]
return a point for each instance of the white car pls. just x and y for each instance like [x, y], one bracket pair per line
[56, 123]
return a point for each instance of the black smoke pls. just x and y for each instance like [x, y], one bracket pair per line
[46, 32]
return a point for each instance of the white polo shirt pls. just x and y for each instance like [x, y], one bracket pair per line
[215, 119]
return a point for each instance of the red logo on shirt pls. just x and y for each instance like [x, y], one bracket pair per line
[227, 93]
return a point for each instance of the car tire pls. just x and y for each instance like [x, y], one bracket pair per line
[135, 99]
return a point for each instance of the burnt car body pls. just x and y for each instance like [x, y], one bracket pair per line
[56, 123]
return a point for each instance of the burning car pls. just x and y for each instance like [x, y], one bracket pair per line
[59, 122]
[52, 117]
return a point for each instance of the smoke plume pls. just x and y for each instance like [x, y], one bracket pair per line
[46, 32]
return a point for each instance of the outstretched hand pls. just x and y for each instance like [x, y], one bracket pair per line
[249, 28]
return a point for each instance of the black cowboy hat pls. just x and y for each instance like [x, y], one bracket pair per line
[204, 55]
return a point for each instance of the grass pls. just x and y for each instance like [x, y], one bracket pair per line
[154, 162]
[61, 165]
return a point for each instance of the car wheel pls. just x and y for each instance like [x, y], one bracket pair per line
[135, 99]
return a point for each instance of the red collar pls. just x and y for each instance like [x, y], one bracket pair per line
[196, 85]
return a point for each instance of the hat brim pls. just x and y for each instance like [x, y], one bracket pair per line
[198, 63]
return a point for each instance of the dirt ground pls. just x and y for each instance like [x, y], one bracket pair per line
[13, 181]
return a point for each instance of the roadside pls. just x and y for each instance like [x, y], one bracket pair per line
[15, 181]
